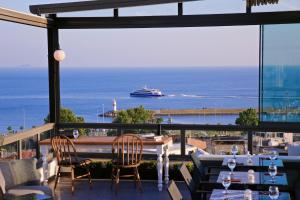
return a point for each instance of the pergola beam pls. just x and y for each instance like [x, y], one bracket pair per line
[23, 18]
[178, 21]
[96, 5]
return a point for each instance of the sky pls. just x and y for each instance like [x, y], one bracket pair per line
[26, 46]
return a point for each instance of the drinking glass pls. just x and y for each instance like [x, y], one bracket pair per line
[273, 192]
[226, 181]
[272, 171]
[249, 158]
[231, 164]
[273, 155]
[234, 150]
[75, 134]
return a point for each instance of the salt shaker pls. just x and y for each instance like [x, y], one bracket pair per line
[251, 177]
[248, 194]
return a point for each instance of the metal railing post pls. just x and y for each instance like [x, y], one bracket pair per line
[159, 129]
[37, 148]
[182, 142]
[19, 145]
[250, 141]
[119, 131]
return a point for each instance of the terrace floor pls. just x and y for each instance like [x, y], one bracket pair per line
[101, 190]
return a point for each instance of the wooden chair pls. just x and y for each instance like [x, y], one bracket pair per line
[127, 152]
[198, 189]
[202, 171]
[174, 191]
[67, 157]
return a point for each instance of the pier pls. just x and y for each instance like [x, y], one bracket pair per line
[185, 112]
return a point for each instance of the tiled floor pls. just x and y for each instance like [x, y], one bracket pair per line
[101, 190]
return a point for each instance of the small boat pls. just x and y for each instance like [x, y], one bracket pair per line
[147, 92]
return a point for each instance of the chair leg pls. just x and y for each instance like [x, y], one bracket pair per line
[112, 177]
[138, 179]
[57, 177]
[117, 180]
[89, 176]
[73, 179]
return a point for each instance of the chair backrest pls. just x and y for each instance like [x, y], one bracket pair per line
[127, 149]
[198, 166]
[188, 178]
[174, 191]
[64, 149]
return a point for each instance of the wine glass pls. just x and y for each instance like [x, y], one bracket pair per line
[273, 156]
[234, 150]
[75, 134]
[231, 164]
[273, 192]
[249, 158]
[226, 181]
[272, 171]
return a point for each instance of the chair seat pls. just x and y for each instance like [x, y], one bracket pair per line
[120, 164]
[75, 161]
[24, 190]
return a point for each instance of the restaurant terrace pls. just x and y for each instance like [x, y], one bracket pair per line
[96, 163]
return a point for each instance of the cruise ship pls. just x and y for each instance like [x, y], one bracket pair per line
[147, 92]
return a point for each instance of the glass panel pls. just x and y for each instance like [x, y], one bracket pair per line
[24, 98]
[280, 85]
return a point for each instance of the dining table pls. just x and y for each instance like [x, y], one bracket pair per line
[257, 178]
[218, 194]
[257, 161]
[103, 144]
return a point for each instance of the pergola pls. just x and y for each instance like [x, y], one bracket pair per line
[53, 23]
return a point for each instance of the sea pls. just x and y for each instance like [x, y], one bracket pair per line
[90, 91]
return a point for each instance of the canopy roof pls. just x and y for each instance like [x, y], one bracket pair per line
[114, 4]
[96, 5]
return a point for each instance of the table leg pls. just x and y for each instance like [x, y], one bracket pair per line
[166, 163]
[44, 151]
[159, 171]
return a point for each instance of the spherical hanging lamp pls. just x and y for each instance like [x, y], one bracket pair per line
[59, 55]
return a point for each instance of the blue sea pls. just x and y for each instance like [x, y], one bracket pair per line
[89, 91]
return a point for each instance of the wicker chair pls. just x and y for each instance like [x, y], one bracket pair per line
[67, 157]
[127, 152]
[174, 191]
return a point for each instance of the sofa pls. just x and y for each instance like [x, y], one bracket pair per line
[21, 177]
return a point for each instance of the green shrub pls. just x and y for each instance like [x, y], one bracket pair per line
[147, 170]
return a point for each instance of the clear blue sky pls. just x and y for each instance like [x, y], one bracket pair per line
[217, 46]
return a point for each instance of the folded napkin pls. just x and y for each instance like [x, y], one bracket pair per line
[228, 196]
[235, 180]
[279, 174]
[263, 193]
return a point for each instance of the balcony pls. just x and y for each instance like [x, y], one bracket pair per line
[165, 159]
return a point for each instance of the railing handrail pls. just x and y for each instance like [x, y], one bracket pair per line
[263, 127]
[9, 139]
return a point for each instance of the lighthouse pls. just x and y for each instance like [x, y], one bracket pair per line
[114, 105]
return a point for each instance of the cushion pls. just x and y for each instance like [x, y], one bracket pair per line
[23, 190]
[25, 171]
[8, 174]
[2, 182]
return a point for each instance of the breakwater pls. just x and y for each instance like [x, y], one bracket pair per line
[206, 111]
[188, 112]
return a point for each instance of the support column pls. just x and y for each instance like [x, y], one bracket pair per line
[53, 74]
